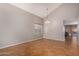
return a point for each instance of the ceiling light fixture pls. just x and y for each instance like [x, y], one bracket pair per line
[47, 21]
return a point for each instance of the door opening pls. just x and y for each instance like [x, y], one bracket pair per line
[71, 35]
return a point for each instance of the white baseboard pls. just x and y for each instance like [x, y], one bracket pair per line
[26, 42]
[19, 43]
[63, 40]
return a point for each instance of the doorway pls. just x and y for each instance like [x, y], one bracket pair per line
[71, 35]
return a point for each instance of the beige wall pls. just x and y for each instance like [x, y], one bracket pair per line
[17, 26]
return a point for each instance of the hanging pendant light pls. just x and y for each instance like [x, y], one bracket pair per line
[47, 21]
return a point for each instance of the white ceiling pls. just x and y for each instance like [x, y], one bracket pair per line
[39, 9]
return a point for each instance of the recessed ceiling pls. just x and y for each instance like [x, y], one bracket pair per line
[38, 9]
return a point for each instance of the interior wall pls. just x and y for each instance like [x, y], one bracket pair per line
[73, 21]
[78, 31]
[55, 29]
[17, 26]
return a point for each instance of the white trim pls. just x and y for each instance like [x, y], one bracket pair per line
[19, 43]
[63, 40]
